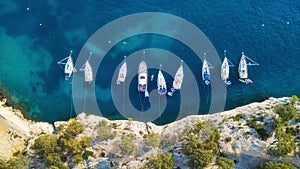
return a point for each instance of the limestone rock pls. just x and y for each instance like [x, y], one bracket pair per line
[15, 130]
[238, 141]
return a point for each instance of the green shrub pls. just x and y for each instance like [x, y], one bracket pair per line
[73, 129]
[238, 117]
[45, 144]
[294, 99]
[77, 158]
[201, 144]
[292, 130]
[161, 161]
[280, 123]
[286, 144]
[127, 146]
[114, 126]
[297, 118]
[85, 142]
[54, 160]
[225, 163]
[56, 151]
[286, 112]
[3, 164]
[70, 145]
[209, 132]
[260, 118]
[276, 165]
[18, 162]
[152, 139]
[103, 130]
[17, 153]
[228, 139]
[68, 141]
[87, 154]
[263, 134]
[53, 167]
[224, 120]
[60, 128]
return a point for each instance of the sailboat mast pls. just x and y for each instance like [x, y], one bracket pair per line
[225, 56]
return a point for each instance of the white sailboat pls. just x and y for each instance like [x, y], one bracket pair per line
[177, 80]
[161, 83]
[122, 72]
[143, 78]
[88, 72]
[205, 71]
[69, 66]
[225, 69]
[243, 68]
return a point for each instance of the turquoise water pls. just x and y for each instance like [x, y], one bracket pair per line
[34, 39]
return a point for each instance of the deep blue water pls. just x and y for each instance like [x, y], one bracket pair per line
[33, 40]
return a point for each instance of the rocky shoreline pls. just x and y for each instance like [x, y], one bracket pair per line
[238, 141]
[15, 130]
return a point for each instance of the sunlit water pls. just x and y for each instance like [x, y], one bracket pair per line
[35, 35]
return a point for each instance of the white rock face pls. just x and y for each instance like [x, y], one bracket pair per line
[40, 127]
[238, 141]
[15, 129]
[246, 147]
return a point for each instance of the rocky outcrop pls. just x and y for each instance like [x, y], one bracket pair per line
[15, 130]
[239, 141]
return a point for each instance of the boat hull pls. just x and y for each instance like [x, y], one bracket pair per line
[122, 73]
[178, 78]
[161, 84]
[225, 69]
[142, 77]
[69, 68]
[205, 72]
[243, 70]
[88, 72]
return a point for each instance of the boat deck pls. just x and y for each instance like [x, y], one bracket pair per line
[178, 79]
[122, 73]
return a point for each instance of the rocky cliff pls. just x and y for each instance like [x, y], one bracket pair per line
[239, 141]
[15, 130]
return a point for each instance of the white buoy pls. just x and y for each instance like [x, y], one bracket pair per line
[170, 93]
[288, 22]
[41, 24]
[263, 25]
[109, 41]
[27, 8]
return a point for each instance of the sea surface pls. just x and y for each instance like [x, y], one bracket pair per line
[34, 35]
